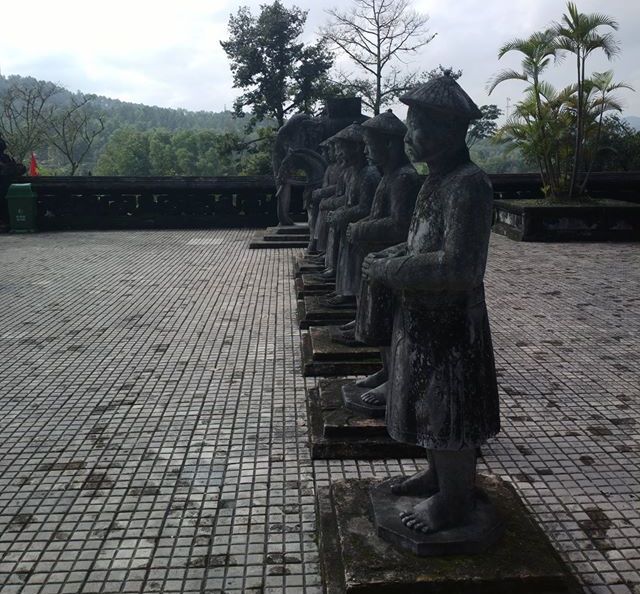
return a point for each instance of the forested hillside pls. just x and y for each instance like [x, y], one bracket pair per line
[147, 140]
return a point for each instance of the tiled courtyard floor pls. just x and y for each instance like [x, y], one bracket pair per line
[152, 428]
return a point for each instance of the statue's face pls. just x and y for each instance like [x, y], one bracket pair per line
[377, 147]
[352, 152]
[418, 142]
[430, 134]
[339, 148]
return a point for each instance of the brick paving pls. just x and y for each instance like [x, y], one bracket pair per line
[153, 424]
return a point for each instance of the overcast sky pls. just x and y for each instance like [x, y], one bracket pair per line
[168, 53]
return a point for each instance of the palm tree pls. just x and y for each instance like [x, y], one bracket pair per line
[538, 51]
[599, 100]
[539, 127]
[578, 33]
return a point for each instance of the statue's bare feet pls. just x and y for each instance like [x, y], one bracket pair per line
[348, 327]
[338, 300]
[436, 513]
[376, 396]
[433, 515]
[421, 484]
[373, 380]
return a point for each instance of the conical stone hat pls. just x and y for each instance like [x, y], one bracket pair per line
[443, 94]
[386, 123]
[352, 133]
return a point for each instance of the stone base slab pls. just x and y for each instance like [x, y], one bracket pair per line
[277, 237]
[304, 265]
[312, 312]
[355, 559]
[336, 432]
[321, 357]
[307, 284]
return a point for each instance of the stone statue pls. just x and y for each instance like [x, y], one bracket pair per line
[317, 222]
[386, 225]
[303, 131]
[314, 167]
[442, 382]
[361, 180]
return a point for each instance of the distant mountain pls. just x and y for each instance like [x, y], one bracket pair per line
[123, 114]
[633, 121]
[145, 117]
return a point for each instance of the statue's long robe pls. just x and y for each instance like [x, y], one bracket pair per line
[443, 391]
[386, 225]
[361, 188]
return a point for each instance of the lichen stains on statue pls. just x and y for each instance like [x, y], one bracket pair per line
[442, 383]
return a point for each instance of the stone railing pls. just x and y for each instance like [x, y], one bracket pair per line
[162, 202]
[249, 201]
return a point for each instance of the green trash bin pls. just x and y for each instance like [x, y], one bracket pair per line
[21, 200]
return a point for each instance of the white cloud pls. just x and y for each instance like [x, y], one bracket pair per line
[169, 54]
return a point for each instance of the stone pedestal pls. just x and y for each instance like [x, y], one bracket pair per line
[281, 237]
[304, 265]
[323, 357]
[355, 559]
[313, 312]
[336, 432]
[309, 284]
[484, 529]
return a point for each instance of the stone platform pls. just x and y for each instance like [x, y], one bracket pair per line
[309, 284]
[286, 236]
[312, 312]
[355, 559]
[336, 432]
[154, 430]
[302, 265]
[321, 357]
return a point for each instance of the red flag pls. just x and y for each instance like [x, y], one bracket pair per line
[33, 166]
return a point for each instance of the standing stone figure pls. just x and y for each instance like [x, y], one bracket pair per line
[442, 383]
[361, 181]
[386, 225]
[317, 230]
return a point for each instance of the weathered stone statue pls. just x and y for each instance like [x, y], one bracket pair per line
[361, 180]
[317, 222]
[314, 167]
[303, 131]
[442, 382]
[386, 225]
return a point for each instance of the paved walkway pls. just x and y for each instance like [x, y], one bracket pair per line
[152, 433]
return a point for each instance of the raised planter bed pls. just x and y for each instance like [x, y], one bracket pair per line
[536, 220]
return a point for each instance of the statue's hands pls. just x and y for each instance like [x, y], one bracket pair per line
[371, 268]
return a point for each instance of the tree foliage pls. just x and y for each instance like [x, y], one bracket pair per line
[560, 130]
[74, 128]
[280, 75]
[159, 152]
[26, 111]
[378, 36]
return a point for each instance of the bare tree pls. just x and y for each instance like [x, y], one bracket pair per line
[25, 114]
[378, 36]
[73, 128]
